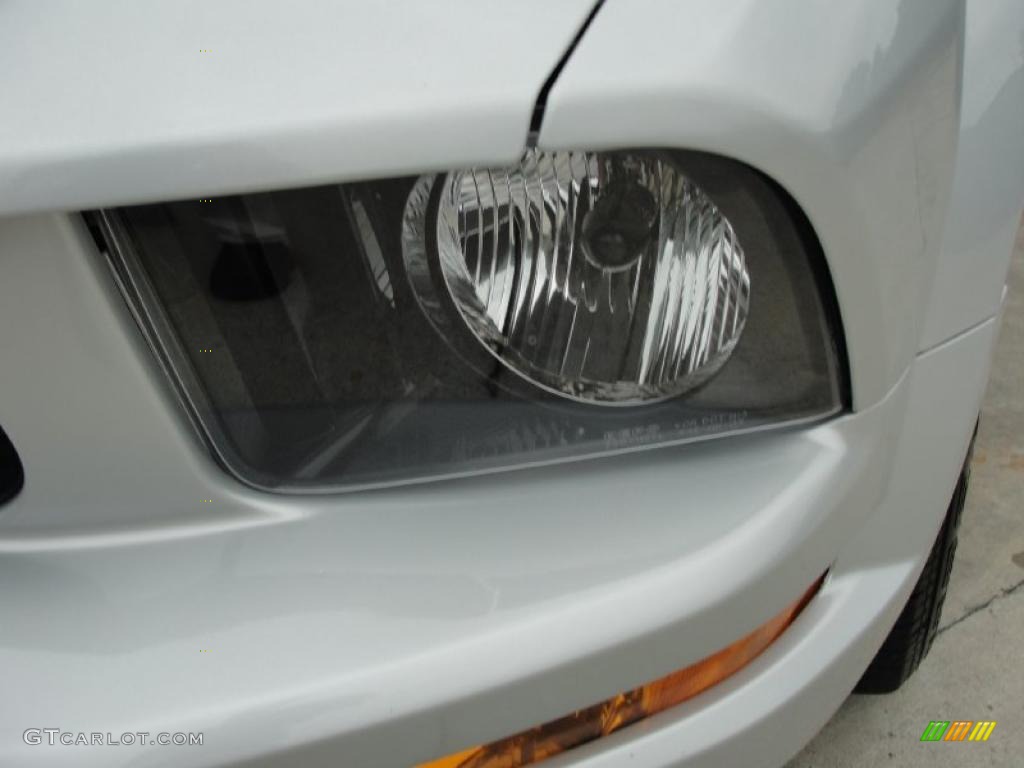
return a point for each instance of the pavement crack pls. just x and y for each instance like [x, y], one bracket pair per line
[1002, 593]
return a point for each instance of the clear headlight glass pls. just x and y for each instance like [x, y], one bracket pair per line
[609, 278]
[402, 329]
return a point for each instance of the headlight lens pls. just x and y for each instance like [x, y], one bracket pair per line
[399, 329]
[605, 277]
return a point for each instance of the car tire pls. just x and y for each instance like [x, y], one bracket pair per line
[911, 637]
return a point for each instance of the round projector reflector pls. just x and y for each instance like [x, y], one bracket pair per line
[608, 278]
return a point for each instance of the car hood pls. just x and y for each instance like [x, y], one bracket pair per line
[120, 102]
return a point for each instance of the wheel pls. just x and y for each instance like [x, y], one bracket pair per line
[911, 638]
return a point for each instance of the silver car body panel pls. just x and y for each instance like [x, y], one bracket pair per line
[391, 626]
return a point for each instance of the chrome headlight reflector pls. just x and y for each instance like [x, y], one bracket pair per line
[399, 329]
[605, 277]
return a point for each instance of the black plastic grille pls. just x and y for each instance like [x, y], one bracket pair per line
[12, 475]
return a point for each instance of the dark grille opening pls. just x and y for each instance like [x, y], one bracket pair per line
[12, 476]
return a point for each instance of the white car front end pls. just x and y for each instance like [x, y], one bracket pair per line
[148, 590]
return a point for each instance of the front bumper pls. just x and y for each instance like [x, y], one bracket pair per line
[394, 626]
[765, 713]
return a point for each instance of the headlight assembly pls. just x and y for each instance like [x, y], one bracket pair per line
[575, 304]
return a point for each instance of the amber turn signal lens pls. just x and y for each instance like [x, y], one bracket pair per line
[610, 715]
